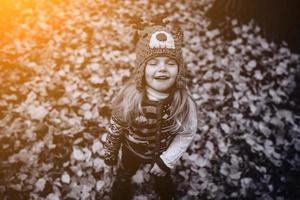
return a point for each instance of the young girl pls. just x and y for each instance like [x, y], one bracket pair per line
[154, 118]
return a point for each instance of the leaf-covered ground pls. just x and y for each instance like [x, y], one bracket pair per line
[62, 62]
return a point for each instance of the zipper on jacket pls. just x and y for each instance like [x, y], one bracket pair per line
[158, 129]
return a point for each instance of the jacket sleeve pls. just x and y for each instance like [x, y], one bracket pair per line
[182, 140]
[114, 139]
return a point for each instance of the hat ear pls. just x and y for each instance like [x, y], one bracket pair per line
[138, 36]
[143, 33]
[135, 37]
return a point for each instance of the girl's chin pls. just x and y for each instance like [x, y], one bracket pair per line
[163, 85]
[162, 89]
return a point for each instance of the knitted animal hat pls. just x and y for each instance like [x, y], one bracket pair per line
[159, 41]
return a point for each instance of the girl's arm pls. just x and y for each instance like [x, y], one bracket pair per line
[182, 141]
[113, 140]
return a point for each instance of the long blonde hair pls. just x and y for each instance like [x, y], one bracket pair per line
[129, 104]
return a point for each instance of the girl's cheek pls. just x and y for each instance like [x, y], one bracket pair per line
[149, 71]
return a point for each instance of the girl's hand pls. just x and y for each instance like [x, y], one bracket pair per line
[157, 171]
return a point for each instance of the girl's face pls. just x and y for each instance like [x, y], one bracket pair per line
[161, 73]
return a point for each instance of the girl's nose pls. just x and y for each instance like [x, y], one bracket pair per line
[162, 66]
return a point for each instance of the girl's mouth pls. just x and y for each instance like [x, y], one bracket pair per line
[162, 77]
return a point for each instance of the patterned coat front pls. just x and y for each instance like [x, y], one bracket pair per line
[152, 136]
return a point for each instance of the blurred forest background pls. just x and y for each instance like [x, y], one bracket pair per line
[62, 61]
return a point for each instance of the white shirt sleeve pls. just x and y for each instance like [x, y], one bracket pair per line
[182, 140]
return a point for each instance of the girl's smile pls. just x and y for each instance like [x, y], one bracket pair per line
[161, 73]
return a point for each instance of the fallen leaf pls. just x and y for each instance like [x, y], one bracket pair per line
[37, 112]
[40, 184]
[65, 178]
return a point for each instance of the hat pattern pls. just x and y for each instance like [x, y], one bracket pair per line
[161, 39]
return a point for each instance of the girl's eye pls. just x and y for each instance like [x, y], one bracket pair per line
[171, 62]
[152, 62]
